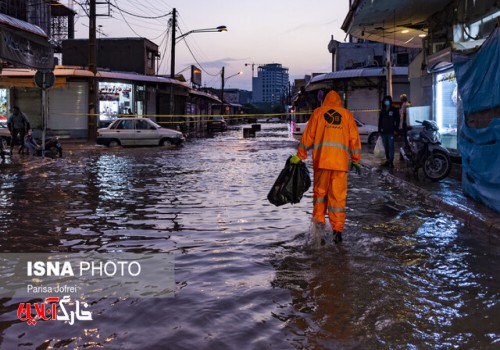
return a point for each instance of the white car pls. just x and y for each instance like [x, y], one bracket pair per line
[132, 131]
[367, 133]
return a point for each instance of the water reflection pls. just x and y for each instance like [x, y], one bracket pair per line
[406, 276]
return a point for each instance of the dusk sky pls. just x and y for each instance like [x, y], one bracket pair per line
[290, 32]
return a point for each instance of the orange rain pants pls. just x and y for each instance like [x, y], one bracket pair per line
[329, 193]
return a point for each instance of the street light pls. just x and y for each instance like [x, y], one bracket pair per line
[175, 39]
[172, 54]
[222, 88]
[207, 30]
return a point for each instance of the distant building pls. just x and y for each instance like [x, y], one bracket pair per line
[359, 73]
[271, 84]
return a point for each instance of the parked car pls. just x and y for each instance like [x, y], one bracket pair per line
[367, 133]
[270, 120]
[216, 123]
[133, 131]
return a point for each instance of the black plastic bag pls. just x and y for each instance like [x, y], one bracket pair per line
[291, 184]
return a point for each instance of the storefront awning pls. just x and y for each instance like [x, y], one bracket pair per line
[22, 77]
[24, 44]
[321, 81]
[205, 95]
[361, 72]
[401, 23]
[10, 82]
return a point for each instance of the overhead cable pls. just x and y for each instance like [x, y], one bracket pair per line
[139, 16]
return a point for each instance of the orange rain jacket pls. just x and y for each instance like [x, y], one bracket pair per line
[333, 136]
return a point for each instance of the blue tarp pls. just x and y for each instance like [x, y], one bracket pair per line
[478, 79]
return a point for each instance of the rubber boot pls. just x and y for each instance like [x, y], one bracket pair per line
[337, 236]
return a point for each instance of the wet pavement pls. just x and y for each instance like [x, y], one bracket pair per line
[446, 195]
[248, 274]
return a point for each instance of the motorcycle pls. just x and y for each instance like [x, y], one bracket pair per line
[52, 149]
[424, 151]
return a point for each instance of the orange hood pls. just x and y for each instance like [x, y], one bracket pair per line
[332, 99]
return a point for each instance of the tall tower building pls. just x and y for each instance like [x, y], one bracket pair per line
[271, 84]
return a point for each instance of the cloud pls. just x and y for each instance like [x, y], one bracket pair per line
[308, 25]
[227, 61]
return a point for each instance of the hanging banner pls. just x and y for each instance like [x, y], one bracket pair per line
[24, 44]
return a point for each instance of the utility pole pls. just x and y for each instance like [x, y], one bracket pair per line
[92, 117]
[172, 62]
[222, 93]
[388, 77]
[172, 54]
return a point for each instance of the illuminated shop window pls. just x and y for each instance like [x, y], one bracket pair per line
[4, 105]
[115, 100]
[446, 101]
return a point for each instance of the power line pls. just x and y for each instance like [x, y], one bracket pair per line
[164, 56]
[130, 27]
[159, 36]
[139, 16]
[196, 60]
[150, 9]
[83, 8]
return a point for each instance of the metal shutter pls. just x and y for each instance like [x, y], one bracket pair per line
[68, 110]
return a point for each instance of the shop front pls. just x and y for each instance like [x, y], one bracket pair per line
[446, 107]
[119, 94]
[4, 106]
[116, 99]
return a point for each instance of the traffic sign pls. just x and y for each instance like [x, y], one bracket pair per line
[44, 80]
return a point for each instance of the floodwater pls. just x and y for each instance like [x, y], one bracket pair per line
[246, 276]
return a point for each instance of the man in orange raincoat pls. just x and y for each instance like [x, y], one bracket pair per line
[333, 136]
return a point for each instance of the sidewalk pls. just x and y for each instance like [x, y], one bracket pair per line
[446, 194]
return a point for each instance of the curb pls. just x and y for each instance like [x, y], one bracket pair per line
[489, 229]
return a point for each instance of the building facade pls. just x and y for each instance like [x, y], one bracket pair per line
[271, 84]
[448, 32]
[127, 86]
[361, 76]
[138, 55]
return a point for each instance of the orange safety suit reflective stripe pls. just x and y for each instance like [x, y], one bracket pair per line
[332, 134]
[330, 190]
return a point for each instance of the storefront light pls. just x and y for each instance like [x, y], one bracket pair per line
[115, 100]
[4, 105]
[439, 99]
[446, 100]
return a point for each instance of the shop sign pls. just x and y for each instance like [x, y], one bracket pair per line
[195, 75]
[112, 92]
[25, 49]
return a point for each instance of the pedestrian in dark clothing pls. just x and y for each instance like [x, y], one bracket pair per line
[18, 124]
[405, 125]
[388, 124]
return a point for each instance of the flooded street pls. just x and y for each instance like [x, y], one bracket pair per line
[406, 276]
